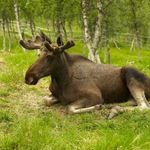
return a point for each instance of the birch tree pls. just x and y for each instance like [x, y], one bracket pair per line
[6, 14]
[9, 35]
[92, 42]
[17, 19]
[4, 34]
[135, 27]
[109, 27]
[138, 16]
[29, 12]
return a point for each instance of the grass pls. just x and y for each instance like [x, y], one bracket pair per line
[26, 124]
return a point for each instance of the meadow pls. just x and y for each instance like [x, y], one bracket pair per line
[27, 124]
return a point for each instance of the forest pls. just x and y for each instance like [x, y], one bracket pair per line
[115, 32]
[98, 24]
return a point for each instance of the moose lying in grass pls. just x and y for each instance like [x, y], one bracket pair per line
[80, 83]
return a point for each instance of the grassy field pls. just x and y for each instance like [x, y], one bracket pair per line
[26, 124]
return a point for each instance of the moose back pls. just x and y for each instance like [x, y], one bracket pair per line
[80, 83]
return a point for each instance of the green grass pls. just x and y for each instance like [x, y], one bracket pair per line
[26, 124]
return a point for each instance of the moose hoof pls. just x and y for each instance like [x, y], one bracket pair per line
[115, 111]
[98, 107]
[48, 101]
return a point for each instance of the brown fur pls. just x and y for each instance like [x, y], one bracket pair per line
[75, 79]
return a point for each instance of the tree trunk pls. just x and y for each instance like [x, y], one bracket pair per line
[58, 27]
[109, 56]
[10, 25]
[4, 35]
[31, 27]
[86, 30]
[97, 34]
[64, 29]
[17, 20]
[138, 46]
[9, 35]
[116, 45]
[54, 27]
[34, 26]
[97, 57]
[14, 31]
[70, 29]
[136, 28]
[105, 54]
[92, 44]
[132, 45]
[47, 26]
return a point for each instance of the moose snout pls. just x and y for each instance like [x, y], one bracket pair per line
[30, 79]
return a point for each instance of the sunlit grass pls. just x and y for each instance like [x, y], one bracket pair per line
[26, 124]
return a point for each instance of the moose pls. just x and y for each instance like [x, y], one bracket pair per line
[81, 84]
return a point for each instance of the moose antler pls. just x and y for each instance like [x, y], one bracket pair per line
[45, 37]
[66, 46]
[61, 48]
[36, 44]
[48, 46]
[60, 41]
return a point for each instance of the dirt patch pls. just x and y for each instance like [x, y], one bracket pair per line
[2, 65]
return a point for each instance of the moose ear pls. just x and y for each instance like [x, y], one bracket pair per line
[60, 41]
[45, 37]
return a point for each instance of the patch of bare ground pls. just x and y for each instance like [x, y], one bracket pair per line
[28, 100]
[2, 64]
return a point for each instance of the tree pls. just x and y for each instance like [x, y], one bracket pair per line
[92, 41]
[16, 9]
[7, 12]
[135, 20]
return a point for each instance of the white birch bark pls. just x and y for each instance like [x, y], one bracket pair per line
[105, 54]
[116, 45]
[92, 44]
[86, 30]
[31, 28]
[9, 35]
[17, 20]
[132, 45]
[138, 46]
[97, 33]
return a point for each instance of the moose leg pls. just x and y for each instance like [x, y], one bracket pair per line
[49, 100]
[137, 91]
[118, 109]
[85, 105]
[76, 109]
[139, 96]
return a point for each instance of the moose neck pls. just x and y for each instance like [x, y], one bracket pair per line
[61, 73]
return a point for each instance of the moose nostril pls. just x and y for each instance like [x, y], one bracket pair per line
[29, 80]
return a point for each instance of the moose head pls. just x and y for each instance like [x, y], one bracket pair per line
[49, 59]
